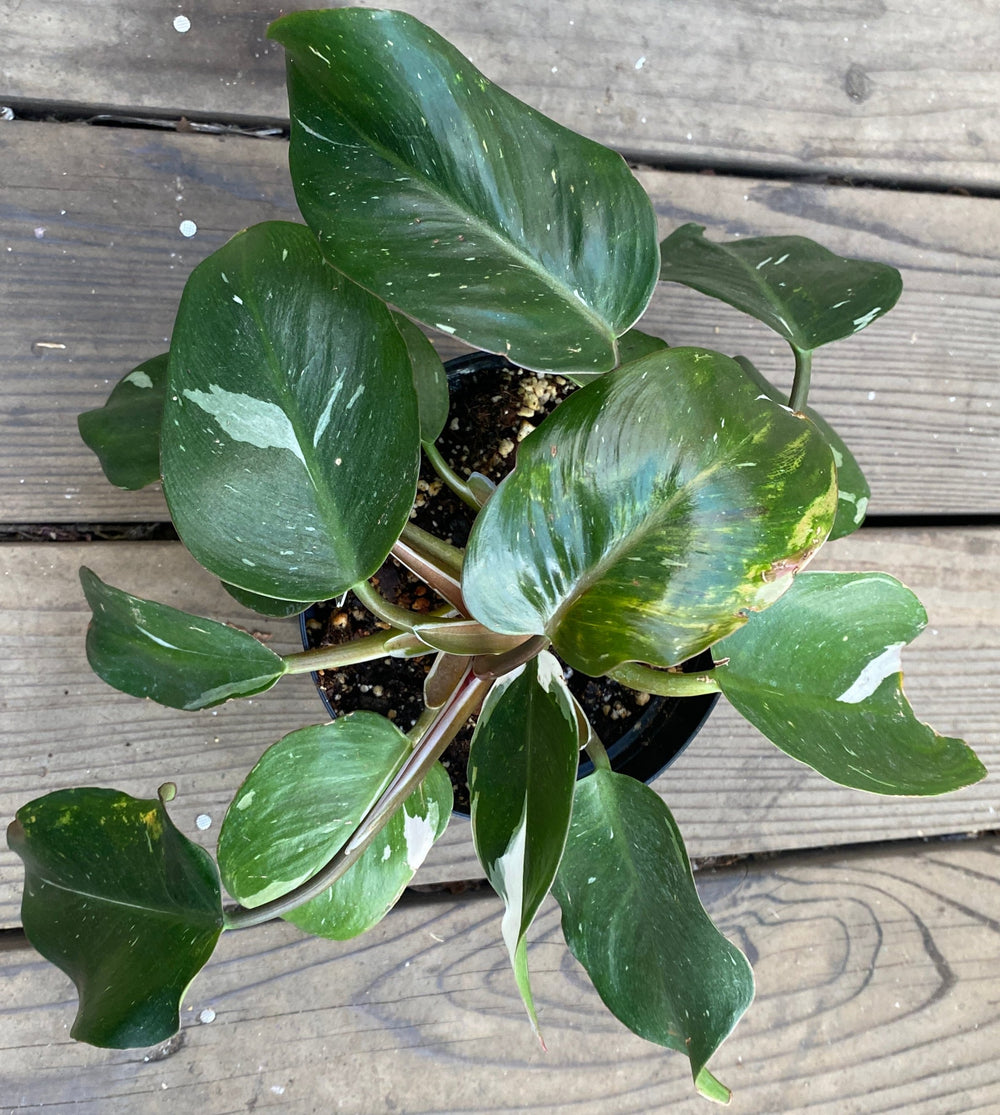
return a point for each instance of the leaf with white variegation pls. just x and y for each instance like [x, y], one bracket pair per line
[125, 432]
[303, 800]
[290, 391]
[174, 658]
[632, 917]
[650, 513]
[522, 770]
[853, 492]
[370, 887]
[800, 289]
[453, 200]
[819, 675]
[123, 903]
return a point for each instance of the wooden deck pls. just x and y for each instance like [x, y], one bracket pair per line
[873, 925]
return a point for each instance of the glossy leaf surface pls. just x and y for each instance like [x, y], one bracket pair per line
[819, 675]
[458, 203]
[853, 492]
[801, 290]
[302, 801]
[522, 771]
[125, 432]
[267, 605]
[172, 657]
[290, 391]
[649, 513]
[366, 892]
[429, 378]
[632, 917]
[123, 903]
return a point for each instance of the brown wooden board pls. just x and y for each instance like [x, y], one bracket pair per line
[878, 974]
[731, 791]
[861, 88]
[92, 264]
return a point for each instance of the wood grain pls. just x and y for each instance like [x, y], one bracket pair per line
[731, 791]
[878, 974]
[862, 87]
[94, 263]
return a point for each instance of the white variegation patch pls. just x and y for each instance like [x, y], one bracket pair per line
[418, 834]
[139, 379]
[875, 672]
[244, 418]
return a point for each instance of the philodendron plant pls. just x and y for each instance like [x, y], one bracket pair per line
[665, 508]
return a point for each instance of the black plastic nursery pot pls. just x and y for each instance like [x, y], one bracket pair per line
[642, 734]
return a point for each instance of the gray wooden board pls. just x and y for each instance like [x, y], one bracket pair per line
[731, 791]
[92, 263]
[862, 88]
[878, 975]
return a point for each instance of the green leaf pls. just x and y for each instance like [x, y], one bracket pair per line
[125, 432]
[819, 675]
[172, 657]
[290, 394]
[458, 203]
[267, 605]
[302, 801]
[649, 513]
[853, 492]
[430, 379]
[123, 903]
[522, 770]
[801, 290]
[366, 892]
[632, 917]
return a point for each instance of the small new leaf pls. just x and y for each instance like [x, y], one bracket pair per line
[801, 290]
[819, 675]
[123, 903]
[125, 432]
[174, 658]
[522, 771]
[632, 917]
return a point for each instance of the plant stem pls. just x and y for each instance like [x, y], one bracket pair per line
[400, 619]
[425, 561]
[443, 729]
[449, 476]
[800, 385]
[596, 753]
[665, 683]
[429, 546]
[346, 654]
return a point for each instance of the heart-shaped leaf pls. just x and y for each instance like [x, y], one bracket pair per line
[123, 903]
[853, 492]
[290, 442]
[302, 801]
[649, 513]
[819, 675]
[125, 432]
[172, 657]
[458, 203]
[522, 771]
[429, 378]
[632, 917]
[366, 892]
[801, 290]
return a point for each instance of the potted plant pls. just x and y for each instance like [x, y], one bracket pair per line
[666, 508]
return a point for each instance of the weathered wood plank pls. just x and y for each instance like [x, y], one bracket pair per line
[731, 791]
[862, 88]
[94, 265]
[877, 972]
